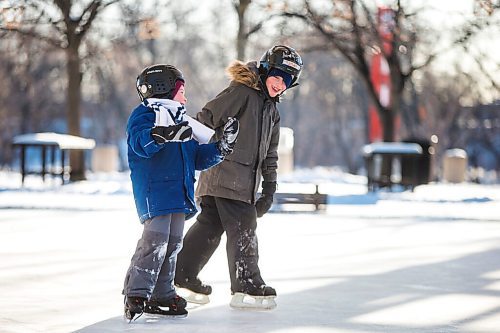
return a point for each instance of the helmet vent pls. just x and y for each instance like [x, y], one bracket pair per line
[160, 86]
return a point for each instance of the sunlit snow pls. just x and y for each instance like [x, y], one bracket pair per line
[422, 261]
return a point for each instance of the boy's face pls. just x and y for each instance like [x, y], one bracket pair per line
[275, 85]
[180, 97]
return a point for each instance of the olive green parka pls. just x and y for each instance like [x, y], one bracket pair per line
[255, 155]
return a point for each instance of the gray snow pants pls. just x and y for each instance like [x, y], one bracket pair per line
[152, 268]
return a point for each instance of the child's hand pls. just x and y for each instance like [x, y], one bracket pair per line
[229, 136]
[264, 203]
[176, 133]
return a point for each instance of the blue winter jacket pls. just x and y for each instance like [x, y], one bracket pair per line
[163, 175]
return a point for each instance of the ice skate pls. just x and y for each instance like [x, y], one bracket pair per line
[193, 290]
[171, 308]
[134, 306]
[256, 298]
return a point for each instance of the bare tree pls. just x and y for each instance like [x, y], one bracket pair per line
[327, 109]
[456, 126]
[245, 28]
[352, 28]
[66, 31]
[29, 88]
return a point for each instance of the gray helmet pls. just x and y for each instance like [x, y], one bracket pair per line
[283, 58]
[158, 81]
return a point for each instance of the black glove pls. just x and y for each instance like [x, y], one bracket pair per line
[264, 203]
[176, 133]
[229, 136]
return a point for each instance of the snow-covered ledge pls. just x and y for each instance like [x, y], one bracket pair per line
[392, 148]
[62, 141]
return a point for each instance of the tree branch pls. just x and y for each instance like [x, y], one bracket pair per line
[91, 13]
[35, 35]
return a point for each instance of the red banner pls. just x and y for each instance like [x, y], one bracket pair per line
[380, 74]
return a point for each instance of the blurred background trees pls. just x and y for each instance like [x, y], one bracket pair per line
[70, 67]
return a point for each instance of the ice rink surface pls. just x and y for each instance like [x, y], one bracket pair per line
[423, 261]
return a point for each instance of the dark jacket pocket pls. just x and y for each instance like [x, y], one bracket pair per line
[242, 156]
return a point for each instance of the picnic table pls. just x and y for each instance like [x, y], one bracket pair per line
[47, 144]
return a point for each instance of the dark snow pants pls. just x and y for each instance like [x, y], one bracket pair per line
[239, 220]
[152, 268]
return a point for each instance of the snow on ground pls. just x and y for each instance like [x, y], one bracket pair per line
[422, 261]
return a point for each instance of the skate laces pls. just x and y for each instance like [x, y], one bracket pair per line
[173, 304]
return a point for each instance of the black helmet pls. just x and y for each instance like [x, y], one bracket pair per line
[283, 58]
[158, 81]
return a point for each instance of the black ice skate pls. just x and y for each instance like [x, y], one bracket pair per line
[254, 298]
[173, 308]
[193, 290]
[134, 306]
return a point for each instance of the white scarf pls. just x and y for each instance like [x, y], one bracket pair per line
[169, 112]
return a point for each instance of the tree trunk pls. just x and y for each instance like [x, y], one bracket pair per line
[387, 119]
[241, 38]
[73, 111]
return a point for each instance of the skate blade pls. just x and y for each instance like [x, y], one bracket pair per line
[192, 297]
[130, 318]
[155, 316]
[247, 302]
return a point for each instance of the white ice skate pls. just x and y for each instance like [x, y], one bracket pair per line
[251, 302]
[193, 297]
[193, 290]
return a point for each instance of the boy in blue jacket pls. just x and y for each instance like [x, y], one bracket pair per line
[163, 154]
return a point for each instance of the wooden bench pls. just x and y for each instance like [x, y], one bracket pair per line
[47, 144]
[317, 199]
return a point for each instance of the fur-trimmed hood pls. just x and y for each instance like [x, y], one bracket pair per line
[246, 74]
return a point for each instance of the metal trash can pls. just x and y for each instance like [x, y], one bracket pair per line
[455, 165]
[421, 173]
[374, 155]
